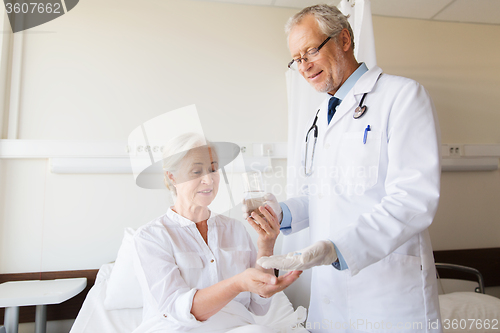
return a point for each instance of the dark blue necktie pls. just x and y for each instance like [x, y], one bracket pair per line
[332, 104]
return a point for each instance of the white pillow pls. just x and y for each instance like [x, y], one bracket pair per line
[468, 312]
[124, 291]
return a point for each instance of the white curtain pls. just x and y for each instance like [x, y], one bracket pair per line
[360, 19]
[303, 102]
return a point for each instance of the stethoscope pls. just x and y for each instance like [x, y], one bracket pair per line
[358, 113]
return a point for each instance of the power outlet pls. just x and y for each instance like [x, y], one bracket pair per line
[455, 150]
[267, 149]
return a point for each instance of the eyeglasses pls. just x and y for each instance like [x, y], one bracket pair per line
[308, 55]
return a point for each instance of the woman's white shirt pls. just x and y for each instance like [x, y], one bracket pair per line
[172, 261]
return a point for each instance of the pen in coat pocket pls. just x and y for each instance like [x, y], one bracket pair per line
[366, 133]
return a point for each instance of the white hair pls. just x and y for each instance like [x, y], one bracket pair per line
[174, 152]
[330, 20]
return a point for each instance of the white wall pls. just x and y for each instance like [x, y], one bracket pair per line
[100, 71]
[107, 66]
[5, 40]
[458, 65]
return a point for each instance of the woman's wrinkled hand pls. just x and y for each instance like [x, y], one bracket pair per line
[267, 228]
[265, 284]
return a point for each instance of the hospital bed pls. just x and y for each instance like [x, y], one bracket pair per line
[96, 316]
[114, 303]
[469, 310]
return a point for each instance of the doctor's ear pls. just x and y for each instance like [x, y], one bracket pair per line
[345, 39]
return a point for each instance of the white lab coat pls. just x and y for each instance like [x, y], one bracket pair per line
[375, 201]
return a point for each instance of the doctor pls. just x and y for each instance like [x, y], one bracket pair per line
[372, 192]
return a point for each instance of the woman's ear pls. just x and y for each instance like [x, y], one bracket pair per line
[170, 177]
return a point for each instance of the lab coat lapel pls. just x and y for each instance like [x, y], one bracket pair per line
[344, 108]
[365, 84]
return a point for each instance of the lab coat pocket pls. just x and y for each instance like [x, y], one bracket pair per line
[357, 161]
[190, 265]
[388, 294]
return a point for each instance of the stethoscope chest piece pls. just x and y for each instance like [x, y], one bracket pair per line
[360, 110]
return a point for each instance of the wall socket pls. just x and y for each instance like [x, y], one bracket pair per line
[267, 149]
[455, 150]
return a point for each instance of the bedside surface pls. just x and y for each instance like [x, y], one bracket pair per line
[39, 292]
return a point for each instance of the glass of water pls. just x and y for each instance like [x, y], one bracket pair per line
[253, 196]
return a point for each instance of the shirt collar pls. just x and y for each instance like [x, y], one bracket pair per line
[351, 81]
[182, 220]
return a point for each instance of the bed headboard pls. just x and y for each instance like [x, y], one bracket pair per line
[486, 261]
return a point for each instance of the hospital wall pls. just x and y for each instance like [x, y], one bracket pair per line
[458, 65]
[107, 66]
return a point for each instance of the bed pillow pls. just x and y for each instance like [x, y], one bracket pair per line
[123, 290]
[469, 312]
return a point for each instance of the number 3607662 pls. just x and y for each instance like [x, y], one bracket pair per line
[33, 8]
[470, 324]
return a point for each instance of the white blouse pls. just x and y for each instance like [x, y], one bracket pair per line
[172, 261]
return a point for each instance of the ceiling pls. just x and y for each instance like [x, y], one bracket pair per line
[470, 11]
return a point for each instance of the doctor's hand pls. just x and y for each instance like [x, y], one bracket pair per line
[264, 284]
[320, 253]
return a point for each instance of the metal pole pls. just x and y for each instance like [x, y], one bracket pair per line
[41, 319]
[11, 319]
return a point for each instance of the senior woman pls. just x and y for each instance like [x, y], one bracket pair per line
[195, 268]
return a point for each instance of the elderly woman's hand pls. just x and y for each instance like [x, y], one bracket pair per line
[268, 229]
[264, 284]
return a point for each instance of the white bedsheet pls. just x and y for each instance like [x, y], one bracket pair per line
[94, 318]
